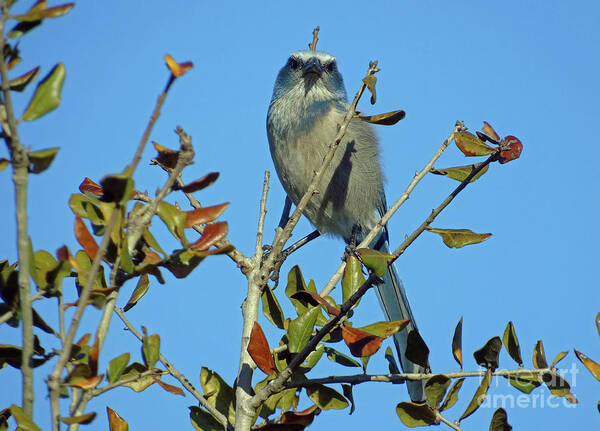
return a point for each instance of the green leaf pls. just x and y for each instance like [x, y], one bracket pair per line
[457, 343]
[4, 163]
[479, 396]
[598, 323]
[116, 367]
[204, 421]
[340, 358]
[457, 238]
[151, 349]
[44, 262]
[182, 262]
[326, 398]
[559, 357]
[173, 217]
[500, 421]
[81, 419]
[24, 422]
[135, 369]
[218, 393]
[271, 308]
[47, 94]
[387, 119]
[300, 329]
[376, 261]
[84, 208]
[524, 383]
[41, 160]
[140, 290]
[353, 278]
[471, 145]
[415, 415]
[39, 11]
[435, 388]
[592, 366]
[487, 356]
[385, 328]
[23, 27]
[312, 358]
[392, 365]
[460, 173]
[558, 386]
[117, 188]
[511, 343]
[416, 349]
[452, 396]
[149, 238]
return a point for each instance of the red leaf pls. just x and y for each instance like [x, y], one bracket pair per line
[212, 234]
[84, 340]
[314, 299]
[259, 350]
[169, 388]
[514, 149]
[204, 215]
[361, 343]
[88, 185]
[85, 238]
[88, 384]
[63, 254]
[200, 184]
[305, 417]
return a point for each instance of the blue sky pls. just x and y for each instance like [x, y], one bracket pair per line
[528, 68]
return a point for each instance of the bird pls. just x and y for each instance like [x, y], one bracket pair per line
[309, 103]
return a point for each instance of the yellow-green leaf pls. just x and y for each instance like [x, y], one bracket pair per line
[457, 343]
[559, 357]
[539, 357]
[500, 421]
[460, 173]
[591, 365]
[271, 308]
[4, 163]
[487, 356]
[326, 398]
[452, 396]
[415, 415]
[83, 419]
[173, 217]
[457, 238]
[479, 396]
[24, 422]
[300, 329]
[204, 421]
[116, 367]
[151, 349]
[39, 161]
[140, 290]
[435, 388]
[386, 328]
[353, 278]
[47, 94]
[218, 393]
[20, 83]
[370, 81]
[376, 261]
[471, 145]
[511, 343]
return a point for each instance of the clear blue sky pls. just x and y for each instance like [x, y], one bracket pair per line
[528, 68]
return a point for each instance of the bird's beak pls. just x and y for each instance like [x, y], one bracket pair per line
[312, 66]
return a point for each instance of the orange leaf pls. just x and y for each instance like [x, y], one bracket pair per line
[116, 422]
[84, 340]
[93, 357]
[204, 215]
[212, 234]
[259, 350]
[514, 149]
[200, 184]
[177, 69]
[88, 384]
[471, 145]
[387, 119]
[591, 365]
[169, 388]
[314, 299]
[88, 185]
[489, 130]
[361, 343]
[85, 238]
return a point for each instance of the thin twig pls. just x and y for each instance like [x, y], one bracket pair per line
[313, 45]
[441, 418]
[20, 164]
[179, 376]
[6, 316]
[409, 240]
[390, 212]
[261, 215]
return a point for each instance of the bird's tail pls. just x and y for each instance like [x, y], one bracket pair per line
[394, 302]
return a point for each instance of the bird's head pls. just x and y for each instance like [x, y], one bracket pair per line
[311, 75]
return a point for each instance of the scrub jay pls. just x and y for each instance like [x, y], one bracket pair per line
[309, 102]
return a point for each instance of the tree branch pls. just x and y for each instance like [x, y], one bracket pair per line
[20, 164]
[390, 212]
[179, 376]
[441, 418]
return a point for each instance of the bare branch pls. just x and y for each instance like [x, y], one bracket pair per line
[313, 45]
[179, 376]
[261, 215]
[390, 212]
[441, 418]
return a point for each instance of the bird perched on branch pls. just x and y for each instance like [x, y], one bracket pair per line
[309, 103]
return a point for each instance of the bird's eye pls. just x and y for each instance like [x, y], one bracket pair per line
[330, 66]
[293, 63]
